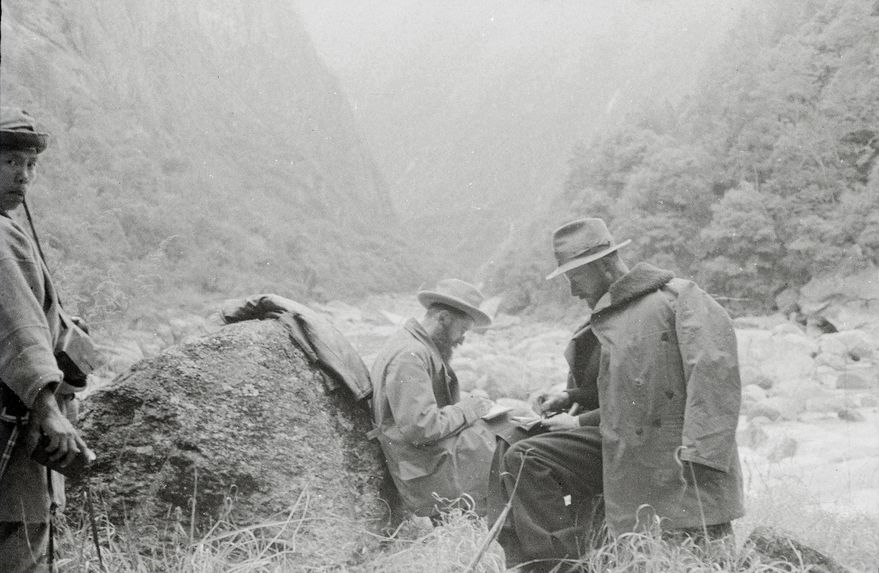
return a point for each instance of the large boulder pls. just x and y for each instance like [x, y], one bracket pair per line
[242, 423]
[848, 301]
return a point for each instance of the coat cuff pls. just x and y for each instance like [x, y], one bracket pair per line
[470, 415]
[590, 418]
[692, 456]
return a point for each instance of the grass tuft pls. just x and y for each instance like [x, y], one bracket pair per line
[418, 547]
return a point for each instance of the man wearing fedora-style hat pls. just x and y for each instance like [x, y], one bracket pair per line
[34, 398]
[656, 367]
[435, 443]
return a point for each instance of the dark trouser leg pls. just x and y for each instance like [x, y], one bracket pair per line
[498, 495]
[24, 547]
[553, 465]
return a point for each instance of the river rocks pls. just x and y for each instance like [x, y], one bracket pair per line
[850, 415]
[771, 356]
[853, 381]
[847, 346]
[753, 394]
[240, 422]
[829, 402]
[786, 447]
[776, 408]
[512, 362]
[751, 435]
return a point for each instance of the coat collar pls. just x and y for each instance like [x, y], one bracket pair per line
[642, 279]
[417, 331]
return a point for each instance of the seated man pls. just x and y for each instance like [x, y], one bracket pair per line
[554, 469]
[435, 443]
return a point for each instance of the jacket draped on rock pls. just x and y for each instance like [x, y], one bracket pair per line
[669, 391]
[433, 442]
[29, 330]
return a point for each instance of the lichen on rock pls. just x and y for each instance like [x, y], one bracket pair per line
[239, 421]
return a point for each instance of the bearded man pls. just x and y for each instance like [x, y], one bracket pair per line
[436, 445]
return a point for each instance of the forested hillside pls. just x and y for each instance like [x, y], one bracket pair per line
[199, 149]
[765, 178]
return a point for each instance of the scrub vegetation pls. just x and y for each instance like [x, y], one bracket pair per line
[416, 547]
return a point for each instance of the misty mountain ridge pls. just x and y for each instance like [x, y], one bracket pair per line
[197, 149]
[473, 109]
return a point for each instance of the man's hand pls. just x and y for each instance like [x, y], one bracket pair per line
[480, 405]
[561, 422]
[552, 402]
[80, 322]
[46, 418]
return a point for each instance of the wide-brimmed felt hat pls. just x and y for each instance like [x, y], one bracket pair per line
[459, 295]
[18, 130]
[580, 242]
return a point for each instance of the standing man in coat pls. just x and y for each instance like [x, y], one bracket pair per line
[34, 397]
[668, 391]
[435, 444]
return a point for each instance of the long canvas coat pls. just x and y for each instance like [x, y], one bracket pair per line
[669, 390]
[433, 442]
[29, 329]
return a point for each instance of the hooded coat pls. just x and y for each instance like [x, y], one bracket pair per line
[669, 392]
[434, 443]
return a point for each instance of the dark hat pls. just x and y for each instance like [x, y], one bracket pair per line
[18, 131]
[458, 295]
[580, 242]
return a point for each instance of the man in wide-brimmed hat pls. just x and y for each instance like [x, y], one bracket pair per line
[656, 366]
[34, 398]
[435, 443]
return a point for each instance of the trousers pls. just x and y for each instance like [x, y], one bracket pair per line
[24, 547]
[556, 511]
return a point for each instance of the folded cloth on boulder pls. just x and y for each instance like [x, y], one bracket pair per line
[322, 343]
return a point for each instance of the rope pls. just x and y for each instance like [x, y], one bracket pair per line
[92, 521]
[680, 462]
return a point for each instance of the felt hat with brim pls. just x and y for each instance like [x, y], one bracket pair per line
[18, 130]
[581, 242]
[459, 295]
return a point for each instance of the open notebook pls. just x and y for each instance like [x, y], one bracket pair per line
[495, 411]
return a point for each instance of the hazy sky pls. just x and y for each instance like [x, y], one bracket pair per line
[473, 107]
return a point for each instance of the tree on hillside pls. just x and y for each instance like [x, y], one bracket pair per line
[740, 246]
[767, 177]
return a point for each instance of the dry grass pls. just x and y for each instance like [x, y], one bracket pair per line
[417, 547]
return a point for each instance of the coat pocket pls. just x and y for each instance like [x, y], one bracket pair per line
[414, 463]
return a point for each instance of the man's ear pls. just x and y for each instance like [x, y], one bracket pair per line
[443, 318]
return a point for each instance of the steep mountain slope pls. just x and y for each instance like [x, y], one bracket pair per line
[198, 148]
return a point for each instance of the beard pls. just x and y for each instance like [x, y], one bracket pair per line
[444, 344]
